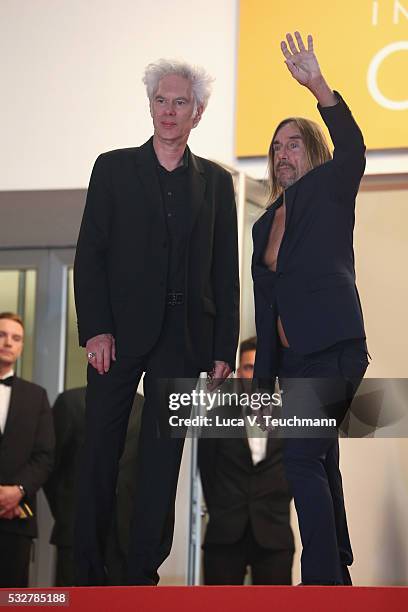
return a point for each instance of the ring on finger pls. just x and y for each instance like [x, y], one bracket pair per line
[91, 355]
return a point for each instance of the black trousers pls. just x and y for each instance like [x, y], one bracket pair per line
[115, 563]
[14, 560]
[108, 404]
[227, 563]
[320, 385]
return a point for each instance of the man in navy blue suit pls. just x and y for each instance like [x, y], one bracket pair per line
[308, 314]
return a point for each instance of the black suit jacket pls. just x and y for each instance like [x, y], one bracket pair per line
[313, 289]
[69, 420]
[237, 492]
[122, 257]
[26, 449]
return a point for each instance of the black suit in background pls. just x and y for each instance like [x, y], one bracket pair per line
[26, 457]
[248, 507]
[121, 286]
[69, 421]
[313, 291]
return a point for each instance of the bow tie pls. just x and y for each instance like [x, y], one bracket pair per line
[7, 381]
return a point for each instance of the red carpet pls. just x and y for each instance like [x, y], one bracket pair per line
[229, 599]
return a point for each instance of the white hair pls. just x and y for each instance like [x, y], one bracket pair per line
[200, 80]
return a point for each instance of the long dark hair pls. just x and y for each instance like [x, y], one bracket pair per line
[317, 150]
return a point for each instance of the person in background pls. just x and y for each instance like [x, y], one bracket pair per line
[69, 421]
[248, 500]
[26, 455]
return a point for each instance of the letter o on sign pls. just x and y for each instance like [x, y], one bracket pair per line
[374, 90]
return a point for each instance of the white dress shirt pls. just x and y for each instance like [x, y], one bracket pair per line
[5, 394]
[257, 440]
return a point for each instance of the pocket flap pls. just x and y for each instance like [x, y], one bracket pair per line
[330, 280]
[209, 306]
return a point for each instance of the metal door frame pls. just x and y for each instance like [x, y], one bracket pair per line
[51, 266]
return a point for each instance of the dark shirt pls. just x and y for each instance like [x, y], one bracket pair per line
[174, 190]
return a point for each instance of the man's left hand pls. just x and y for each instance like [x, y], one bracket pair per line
[218, 374]
[10, 497]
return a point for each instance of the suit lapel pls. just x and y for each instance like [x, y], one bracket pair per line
[268, 448]
[290, 197]
[196, 186]
[16, 408]
[263, 233]
[267, 220]
[147, 174]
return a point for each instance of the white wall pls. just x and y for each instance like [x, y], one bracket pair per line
[71, 83]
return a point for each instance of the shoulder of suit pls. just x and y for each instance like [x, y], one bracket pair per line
[25, 385]
[73, 395]
[129, 152]
[211, 166]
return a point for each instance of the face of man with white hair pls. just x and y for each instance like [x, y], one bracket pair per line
[172, 110]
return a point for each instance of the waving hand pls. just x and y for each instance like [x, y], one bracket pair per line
[304, 67]
[301, 62]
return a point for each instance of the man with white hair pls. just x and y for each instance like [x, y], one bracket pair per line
[157, 291]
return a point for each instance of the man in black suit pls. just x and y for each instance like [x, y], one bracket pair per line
[157, 291]
[247, 499]
[26, 455]
[69, 422]
[308, 313]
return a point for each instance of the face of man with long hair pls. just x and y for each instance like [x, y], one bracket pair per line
[290, 159]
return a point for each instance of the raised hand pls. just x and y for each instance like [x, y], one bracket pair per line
[304, 67]
[301, 62]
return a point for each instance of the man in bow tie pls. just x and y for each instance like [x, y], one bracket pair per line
[26, 455]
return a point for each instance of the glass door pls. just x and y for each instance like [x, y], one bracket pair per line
[35, 283]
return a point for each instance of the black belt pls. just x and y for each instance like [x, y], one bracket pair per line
[174, 298]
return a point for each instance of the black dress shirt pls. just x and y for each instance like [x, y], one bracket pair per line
[174, 190]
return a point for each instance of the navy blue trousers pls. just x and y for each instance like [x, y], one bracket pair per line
[318, 385]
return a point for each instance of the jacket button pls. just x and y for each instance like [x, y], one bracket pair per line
[280, 274]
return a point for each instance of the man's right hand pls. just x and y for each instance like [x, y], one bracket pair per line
[103, 346]
[11, 514]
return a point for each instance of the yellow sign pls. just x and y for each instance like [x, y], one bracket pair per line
[362, 48]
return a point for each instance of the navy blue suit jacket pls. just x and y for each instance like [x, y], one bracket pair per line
[313, 289]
